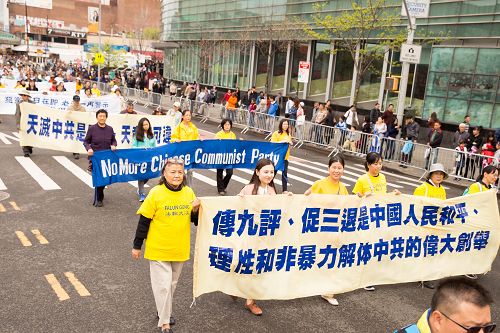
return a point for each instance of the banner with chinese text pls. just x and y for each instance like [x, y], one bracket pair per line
[60, 101]
[48, 128]
[284, 247]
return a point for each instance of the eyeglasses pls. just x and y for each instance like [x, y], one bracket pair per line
[175, 160]
[474, 329]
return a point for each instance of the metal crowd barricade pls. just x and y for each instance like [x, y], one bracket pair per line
[461, 165]
[319, 135]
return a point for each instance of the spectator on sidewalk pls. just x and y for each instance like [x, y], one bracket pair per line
[129, 109]
[435, 138]
[474, 144]
[460, 135]
[375, 114]
[467, 124]
[175, 115]
[351, 117]
[411, 130]
[388, 116]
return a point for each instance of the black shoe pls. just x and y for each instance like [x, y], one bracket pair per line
[31, 150]
[428, 284]
[222, 193]
[99, 204]
[26, 155]
[172, 321]
[76, 156]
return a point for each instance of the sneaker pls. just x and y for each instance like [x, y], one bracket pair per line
[142, 197]
[26, 155]
[331, 300]
[222, 193]
[471, 276]
[369, 288]
[99, 204]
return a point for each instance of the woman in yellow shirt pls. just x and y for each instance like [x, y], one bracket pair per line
[224, 134]
[372, 182]
[283, 135]
[485, 181]
[432, 188]
[186, 131]
[164, 222]
[331, 185]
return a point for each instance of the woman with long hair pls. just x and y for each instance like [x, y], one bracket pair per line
[32, 85]
[261, 183]
[186, 131]
[143, 138]
[331, 185]
[486, 181]
[282, 135]
[164, 222]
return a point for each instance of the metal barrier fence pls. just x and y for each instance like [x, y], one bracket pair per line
[404, 152]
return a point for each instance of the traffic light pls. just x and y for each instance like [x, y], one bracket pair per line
[392, 83]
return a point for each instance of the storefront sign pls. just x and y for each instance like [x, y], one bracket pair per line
[416, 8]
[304, 68]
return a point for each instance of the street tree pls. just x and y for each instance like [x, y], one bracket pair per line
[113, 58]
[371, 26]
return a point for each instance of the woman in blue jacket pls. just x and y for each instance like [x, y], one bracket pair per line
[143, 138]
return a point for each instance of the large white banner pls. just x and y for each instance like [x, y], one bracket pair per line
[60, 101]
[48, 128]
[283, 247]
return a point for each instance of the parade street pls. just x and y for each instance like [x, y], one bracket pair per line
[66, 266]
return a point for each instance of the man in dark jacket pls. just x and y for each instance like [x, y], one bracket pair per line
[375, 114]
[411, 131]
[435, 138]
[460, 135]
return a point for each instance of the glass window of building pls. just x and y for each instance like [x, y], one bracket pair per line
[279, 69]
[342, 78]
[261, 70]
[320, 68]
[370, 83]
[299, 54]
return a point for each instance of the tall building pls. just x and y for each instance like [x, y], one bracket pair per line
[63, 27]
[456, 77]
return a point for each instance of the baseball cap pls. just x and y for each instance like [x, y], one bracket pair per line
[177, 104]
[76, 98]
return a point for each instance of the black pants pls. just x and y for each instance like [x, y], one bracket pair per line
[99, 194]
[222, 181]
[284, 177]
[27, 150]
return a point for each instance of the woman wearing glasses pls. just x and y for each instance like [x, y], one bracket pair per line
[186, 131]
[164, 222]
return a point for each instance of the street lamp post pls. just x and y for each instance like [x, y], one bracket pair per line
[405, 69]
[99, 34]
[26, 25]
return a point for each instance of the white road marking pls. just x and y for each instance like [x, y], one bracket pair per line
[75, 170]
[38, 175]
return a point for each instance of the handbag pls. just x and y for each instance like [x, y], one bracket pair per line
[407, 147]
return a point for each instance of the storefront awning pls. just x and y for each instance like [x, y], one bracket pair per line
[6, 38]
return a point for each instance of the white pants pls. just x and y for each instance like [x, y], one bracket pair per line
[164, 277]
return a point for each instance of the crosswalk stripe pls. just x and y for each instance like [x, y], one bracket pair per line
[75, 170]
[344, 178]
[204, 179]
[234, 177]
[2, 185]
[276, 180]
[303, 180]
[38, 175]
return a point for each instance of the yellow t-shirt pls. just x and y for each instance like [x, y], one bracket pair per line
[95, 92]
[223, 135]
[476, 188]
[168, 237]
[369, 184]
[430, 191]
[326, 186]
[185, 132]
[283, 137]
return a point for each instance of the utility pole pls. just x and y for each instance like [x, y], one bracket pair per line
[99, 34]
[405, 69]
[26, 25]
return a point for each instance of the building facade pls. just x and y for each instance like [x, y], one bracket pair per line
[63, 27]
[457, 77]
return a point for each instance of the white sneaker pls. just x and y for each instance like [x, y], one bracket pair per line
[369, 288]
[331, 300]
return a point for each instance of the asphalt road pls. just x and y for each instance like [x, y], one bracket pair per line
[83, 253]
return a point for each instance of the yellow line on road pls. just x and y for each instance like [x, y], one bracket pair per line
[39, 236]
[22, 237]
[2, 209]
[14, 205]
[56, 286]
[80, 288]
